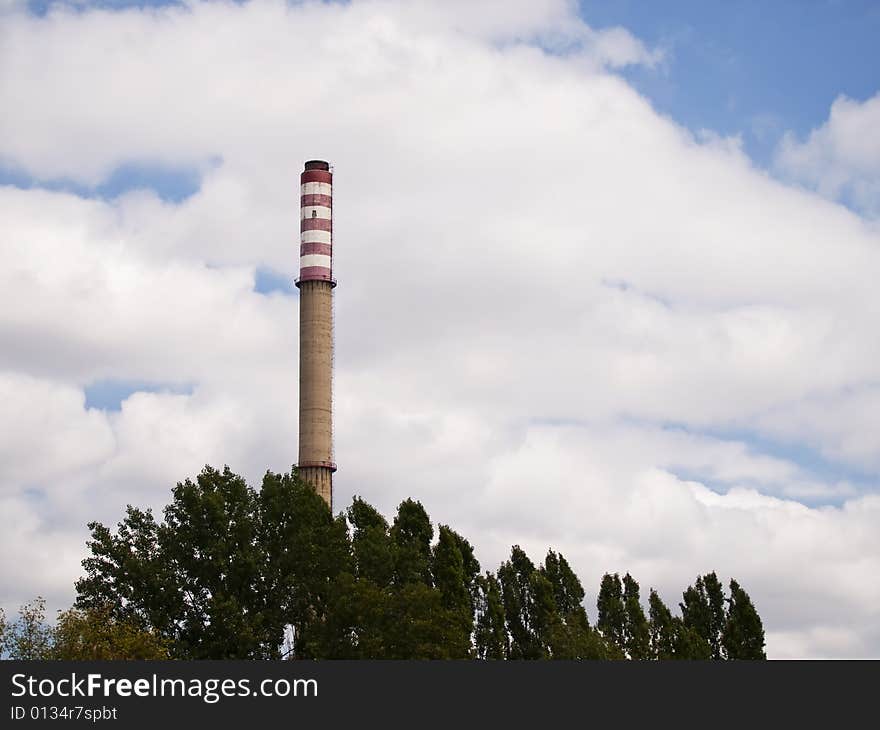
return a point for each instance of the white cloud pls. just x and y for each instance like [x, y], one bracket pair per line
[549, 295]
[840, 159]
[844, 425]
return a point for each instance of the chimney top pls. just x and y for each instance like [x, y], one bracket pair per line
[317, 165]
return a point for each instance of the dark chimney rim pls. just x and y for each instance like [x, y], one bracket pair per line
[317, 165]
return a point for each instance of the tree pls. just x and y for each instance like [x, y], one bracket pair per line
[454, 569]
[209, 543]
[636, 632]
[567, 588]
[94, 634]
[28, 637]
[490, 635]
[411, 535]
[517, 593]
[662, 628]
[402, 598]
[371, 544]
[227, 569]
[743, 636]
[126, 573]
[612, 612]
[688, 642]
[670, 638]
[303, 550]
[570, 635]
[703, 611]
[90, 634]
[544, 619]
[544, 616]
[420, 627]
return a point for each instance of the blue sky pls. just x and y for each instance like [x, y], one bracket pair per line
[171, 183]
[748, 67]
[39, 7]
[108, 394]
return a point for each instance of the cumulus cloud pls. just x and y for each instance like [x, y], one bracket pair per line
[840, 159]
[553, 301]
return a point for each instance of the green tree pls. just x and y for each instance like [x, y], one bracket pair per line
[636, 631]
[670, 637]
[411, 535]
[422, 628]
[359, 621]
[490, 636]
[225, 571]
[28, 637]
[304, 550]
[517, 594]
[209, 541]
[612, 612]
[570, 635]
[403, 598]
[662, 628]
[544, 618]
[703, 611]
[371, 544]
[689, 644]
[567, 588]
[126, 573]
[743, 636]
[455, 570]
[94, 634]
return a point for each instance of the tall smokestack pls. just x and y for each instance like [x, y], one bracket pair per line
[316, 285]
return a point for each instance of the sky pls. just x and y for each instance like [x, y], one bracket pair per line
[606, 279]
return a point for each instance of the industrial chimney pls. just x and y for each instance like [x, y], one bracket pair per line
[316, 284]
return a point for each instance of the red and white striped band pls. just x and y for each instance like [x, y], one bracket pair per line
[316, 223]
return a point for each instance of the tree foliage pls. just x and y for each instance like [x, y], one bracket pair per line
[95, 635]
[636, 631]
[743, 635]
[91, 634]
[490, 635]
[28, 637]
[703, 611]
[230, 571]
[611, 609]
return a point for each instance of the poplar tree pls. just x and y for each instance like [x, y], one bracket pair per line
[743, 636]
[567, 588]
[455, 569]
[570, 636]
[517, 592]
[371, 544]
[703, 611]
[490, 634]
[411, 536]
[636, 632]
[611, 611]
[662, 628]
